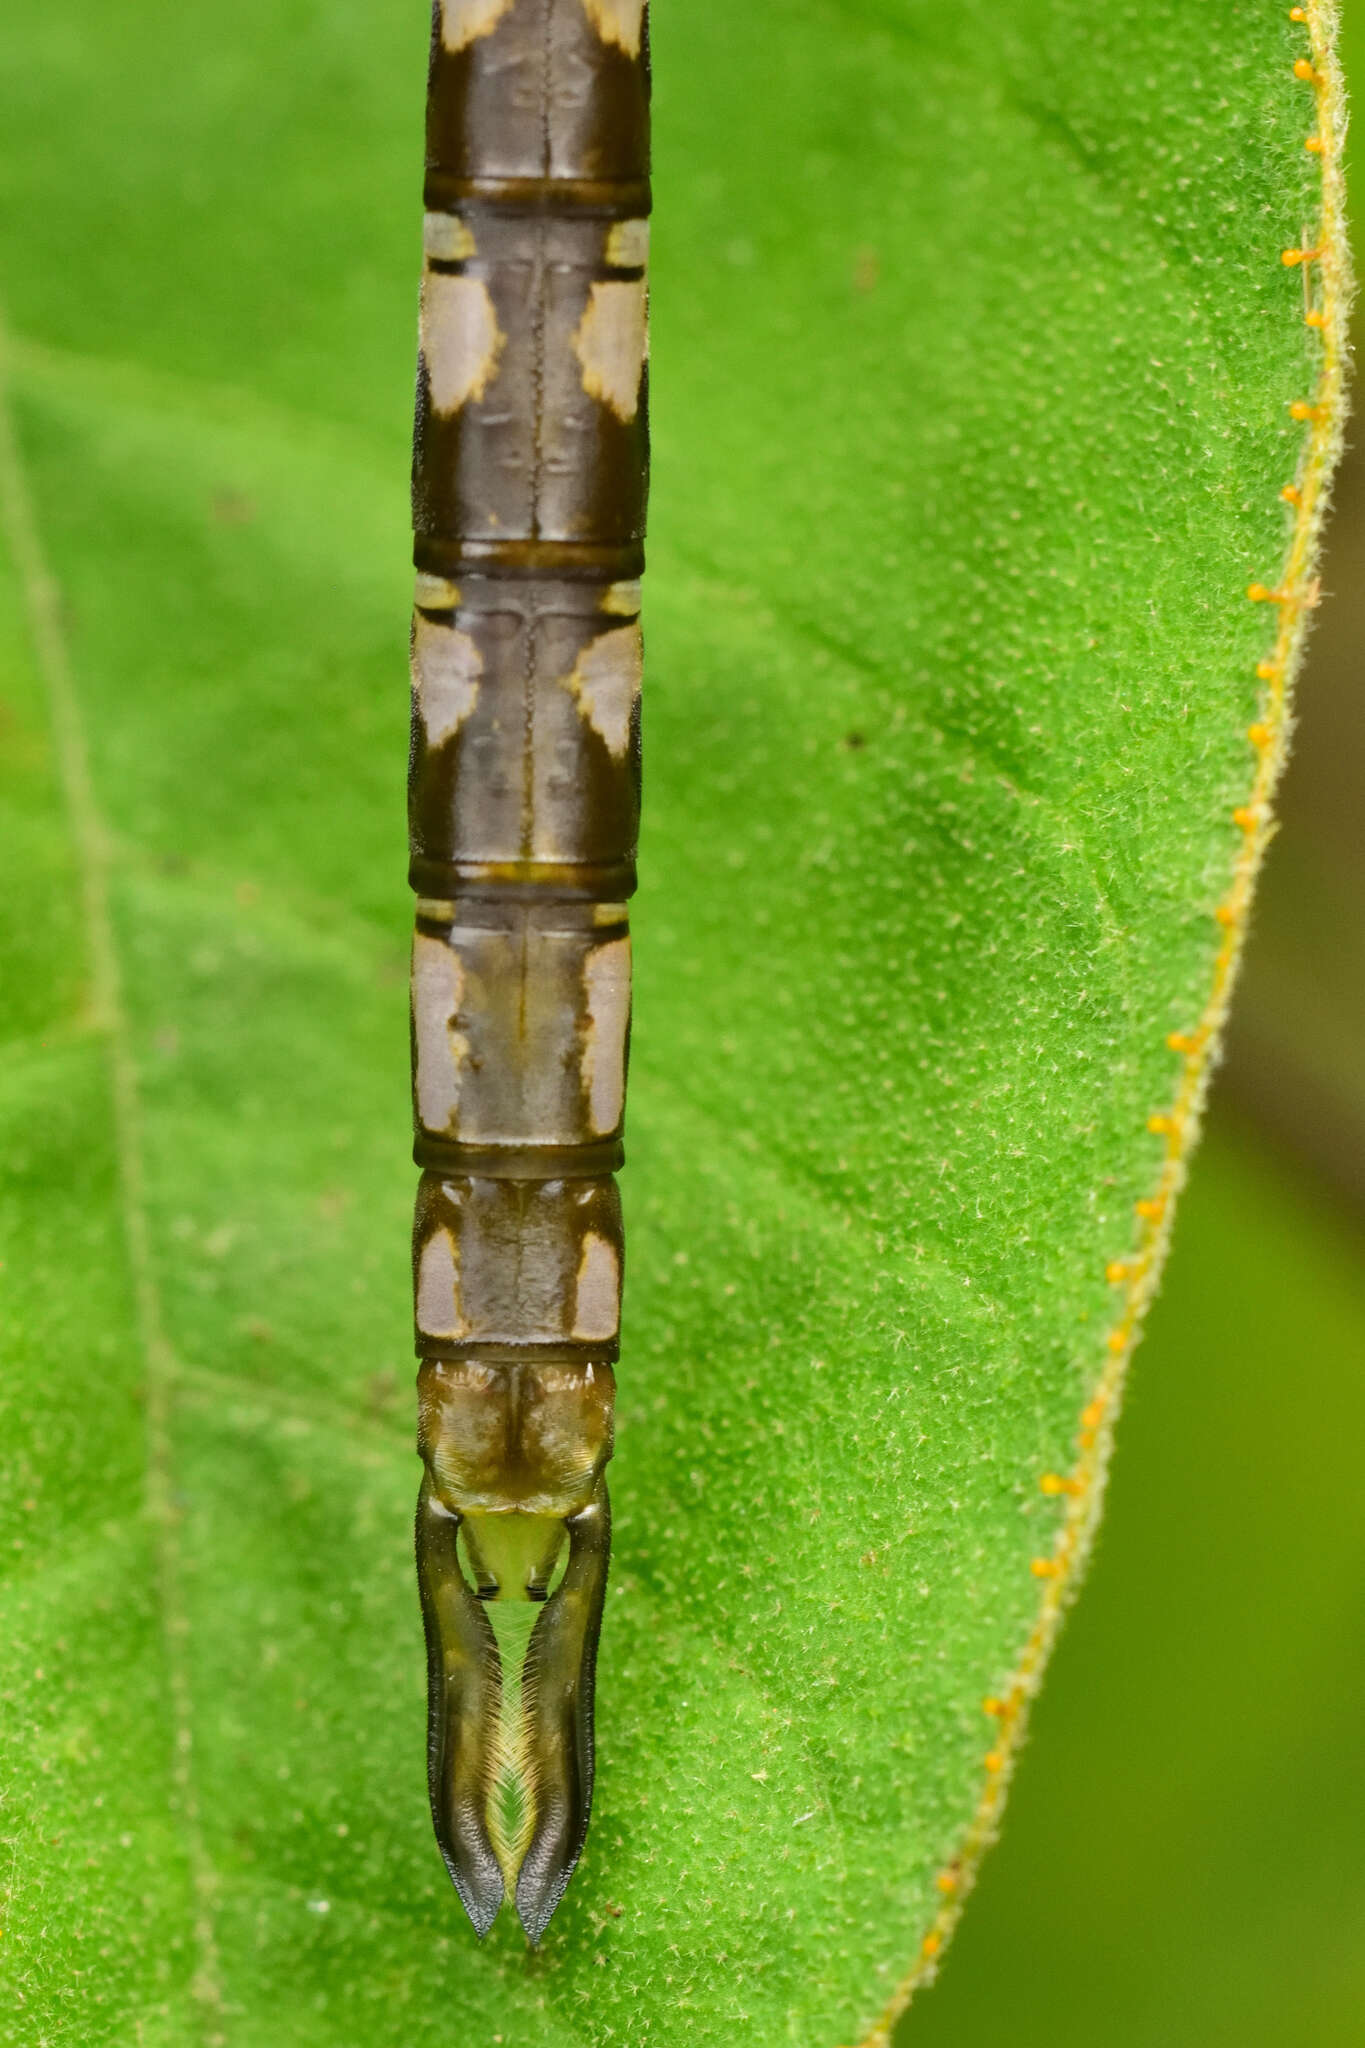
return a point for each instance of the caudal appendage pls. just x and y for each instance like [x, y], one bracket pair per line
[513, 1539]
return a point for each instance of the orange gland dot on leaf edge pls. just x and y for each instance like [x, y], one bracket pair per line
[1259, 734]
[1115, 1271]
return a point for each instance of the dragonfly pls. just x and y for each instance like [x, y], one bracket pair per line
[530, 476]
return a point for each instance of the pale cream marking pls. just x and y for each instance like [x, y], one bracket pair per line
[436, 909]
[597, 1303]
[609, 913]
[464, 21]
[460, 337]
[617, 21]
[446, 666]
[446, 238]
[437, 988]
[435, 593]
[628, 244]
[605, 682]
[440, 1312]
[622, 600]
[610, 344]
[606, 990]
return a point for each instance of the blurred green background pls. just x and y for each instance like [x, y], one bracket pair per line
[1183, 1860]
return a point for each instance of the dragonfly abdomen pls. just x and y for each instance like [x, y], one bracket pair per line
[529, 483]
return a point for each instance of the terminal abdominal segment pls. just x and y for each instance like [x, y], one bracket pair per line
[530, 470]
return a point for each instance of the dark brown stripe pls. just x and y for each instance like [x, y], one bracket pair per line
[447, 554]
[523, 880]
[472, 266]
[548, 914]
[454, 1161]
[492, 1353]
[601, 199]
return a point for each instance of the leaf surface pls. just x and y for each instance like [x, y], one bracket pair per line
[973, 362]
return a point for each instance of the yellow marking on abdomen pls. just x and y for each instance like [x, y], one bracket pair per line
[597, 1303]
[606, 682]
[460, 338]
[618, 21]
[446, 666]
[464, 21]
[437, 987]
[610, 345]
[440, 1312]
[606, 988]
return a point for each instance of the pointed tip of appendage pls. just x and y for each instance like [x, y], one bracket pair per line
[542, 1726]
[541, 1883]
[535, 1915]
[480, 1896]
[537, 1900]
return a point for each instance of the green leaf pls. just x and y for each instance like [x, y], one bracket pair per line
[1184, 1795]
[973, 362]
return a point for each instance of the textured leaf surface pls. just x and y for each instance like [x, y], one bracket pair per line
[1234, 1540]
[973, 358]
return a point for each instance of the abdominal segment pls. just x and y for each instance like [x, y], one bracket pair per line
[529, 484]
[512, 1602]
